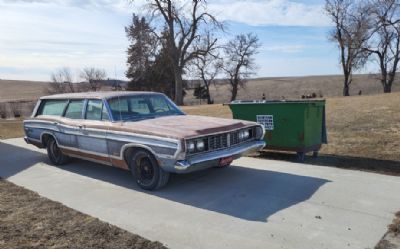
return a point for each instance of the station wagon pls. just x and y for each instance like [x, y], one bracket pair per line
[144, 132]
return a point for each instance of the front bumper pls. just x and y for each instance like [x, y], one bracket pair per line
[208, 160]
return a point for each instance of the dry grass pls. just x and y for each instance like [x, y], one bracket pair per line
[13, 90]
[28, 220]
[361, 126]
[273, 87]
[395, 226]
[294, 88]
[11, 129]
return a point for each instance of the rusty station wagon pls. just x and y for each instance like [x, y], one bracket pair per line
[144, 132]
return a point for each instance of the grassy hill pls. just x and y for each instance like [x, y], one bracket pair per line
[274, 88]
[11, 90]
[294, 88]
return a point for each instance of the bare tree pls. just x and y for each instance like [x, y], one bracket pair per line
[207, 66]
[93, 76]
[385, 42]
[183, 22]
[239, 60]
[351, 32]
[61, 81]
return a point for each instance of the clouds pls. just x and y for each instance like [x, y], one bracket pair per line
[270, 12]
[38, 36]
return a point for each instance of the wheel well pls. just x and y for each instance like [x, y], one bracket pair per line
[128, 152]
[45, 138]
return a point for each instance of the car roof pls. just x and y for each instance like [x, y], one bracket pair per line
[97, 95]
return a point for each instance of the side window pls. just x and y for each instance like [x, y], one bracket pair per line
[74, 109]
[139, 106]
[52, 107]
[94, 109]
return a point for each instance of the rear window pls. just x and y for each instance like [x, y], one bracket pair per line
[52, 107]
[74, 109]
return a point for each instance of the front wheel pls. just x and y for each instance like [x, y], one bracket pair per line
[148, 174]
[54, 153]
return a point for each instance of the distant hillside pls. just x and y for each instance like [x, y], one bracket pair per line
[11, 90]
[294, 88]
[21, 90]
[274, 88]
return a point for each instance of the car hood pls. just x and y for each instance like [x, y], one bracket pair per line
[183, 126]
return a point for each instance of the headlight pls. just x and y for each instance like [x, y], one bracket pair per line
[200, 145]
[243, 135]
[260, 132]
[190, 146]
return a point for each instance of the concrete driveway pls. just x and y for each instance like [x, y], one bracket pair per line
[254, 204]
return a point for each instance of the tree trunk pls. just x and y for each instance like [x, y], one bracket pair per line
[387, 88]
[346, 90]
[234, 92]
[178, 87]
[346, 85]
[207, 86]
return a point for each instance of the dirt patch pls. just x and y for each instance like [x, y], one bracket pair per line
[395, 226]
[28, 220]
[391, 240]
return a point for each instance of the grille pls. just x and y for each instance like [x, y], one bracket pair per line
[224, 140]
[234, 138]
[218, 142]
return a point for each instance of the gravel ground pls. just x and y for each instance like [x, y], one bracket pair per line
[28, 220]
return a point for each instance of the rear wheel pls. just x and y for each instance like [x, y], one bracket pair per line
[54, 153]
[148, 174]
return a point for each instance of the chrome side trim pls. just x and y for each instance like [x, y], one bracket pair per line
[132, 139]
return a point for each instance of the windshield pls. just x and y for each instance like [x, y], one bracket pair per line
[138, 107]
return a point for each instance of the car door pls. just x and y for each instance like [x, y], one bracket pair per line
[94, 129]
[70, 124]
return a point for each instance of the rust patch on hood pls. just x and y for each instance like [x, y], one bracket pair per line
[183, 126]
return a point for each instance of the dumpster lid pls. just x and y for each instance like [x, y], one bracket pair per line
[275, 101]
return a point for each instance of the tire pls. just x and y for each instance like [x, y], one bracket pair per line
[55, 154]
[148, 174]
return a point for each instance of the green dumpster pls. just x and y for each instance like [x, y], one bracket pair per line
[297, 126]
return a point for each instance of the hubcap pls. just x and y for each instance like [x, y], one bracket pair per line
[146, 170]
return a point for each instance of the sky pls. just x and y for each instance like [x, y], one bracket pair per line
[37, 37]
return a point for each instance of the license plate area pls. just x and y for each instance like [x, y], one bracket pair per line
[225, 161]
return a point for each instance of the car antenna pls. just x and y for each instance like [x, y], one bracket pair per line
[119, 108]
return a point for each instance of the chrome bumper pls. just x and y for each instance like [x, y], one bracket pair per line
[207, 160]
